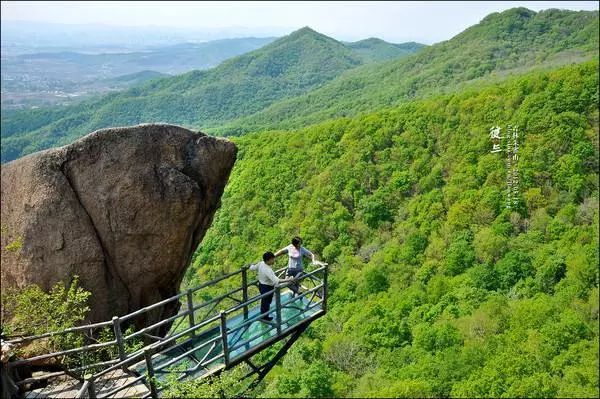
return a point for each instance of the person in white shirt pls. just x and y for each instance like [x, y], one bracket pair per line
[295, 253]
[267, 280]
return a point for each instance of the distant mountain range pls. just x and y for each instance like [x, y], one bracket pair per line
[20, 37]
[168, 59]
[65, 77]
[307, 77]
[511, 42]
[32, 79]
[241, 86]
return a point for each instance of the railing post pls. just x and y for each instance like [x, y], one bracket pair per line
[190, 304]
[278, 309]
[119, 337]
[224, 337]
[245, 290]
[91, 387]
[325, 272]
[150, 370]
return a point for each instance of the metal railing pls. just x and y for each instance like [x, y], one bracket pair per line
[202, 314]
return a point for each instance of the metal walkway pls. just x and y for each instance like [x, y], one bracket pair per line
[218, 328]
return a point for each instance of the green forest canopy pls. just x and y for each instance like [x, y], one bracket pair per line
[436, 288]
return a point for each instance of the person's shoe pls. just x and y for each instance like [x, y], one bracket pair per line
[266, 318]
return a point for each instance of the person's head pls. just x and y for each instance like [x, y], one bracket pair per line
[269, 258]
[297, 241]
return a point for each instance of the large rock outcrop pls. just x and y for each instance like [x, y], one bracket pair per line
[122, 208]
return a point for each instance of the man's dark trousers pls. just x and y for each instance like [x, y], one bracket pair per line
[265, 301]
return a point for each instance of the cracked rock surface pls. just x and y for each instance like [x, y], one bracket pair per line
[122, 208]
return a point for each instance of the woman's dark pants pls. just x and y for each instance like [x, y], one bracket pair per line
[295, 286]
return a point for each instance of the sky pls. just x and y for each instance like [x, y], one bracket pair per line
[425, 22]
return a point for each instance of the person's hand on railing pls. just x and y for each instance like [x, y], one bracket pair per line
[285, 282]
[318, 263]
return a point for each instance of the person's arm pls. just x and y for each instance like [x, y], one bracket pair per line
[308, 254]
[281, 252]
[254, 266]
[270, 275]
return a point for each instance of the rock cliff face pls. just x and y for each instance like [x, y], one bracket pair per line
[122, 208]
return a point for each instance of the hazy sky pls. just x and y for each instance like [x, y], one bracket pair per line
[425, 22]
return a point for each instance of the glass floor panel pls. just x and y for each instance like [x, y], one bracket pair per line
[239, 342]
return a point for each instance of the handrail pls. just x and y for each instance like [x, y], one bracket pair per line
[151, 351]
[137, 354]
[279, 324]
[164, 301]
[241, 344]
[248, 322]
[151, 307]
[295, 299]
[52, 333]
[62, 353]
[124, 317]
[83, 389]
[184, 354]
[216, 299]
[249, 301]
[137, 312]
[247, 341]
[281, 286]
[122, 387]
[153, 326]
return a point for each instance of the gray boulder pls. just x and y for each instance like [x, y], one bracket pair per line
[122, 208]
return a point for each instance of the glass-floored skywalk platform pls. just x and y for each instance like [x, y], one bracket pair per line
[248, 333]
[218, 328]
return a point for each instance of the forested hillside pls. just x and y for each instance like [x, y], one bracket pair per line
[240, 86]
[510, 42]
[436, 288]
